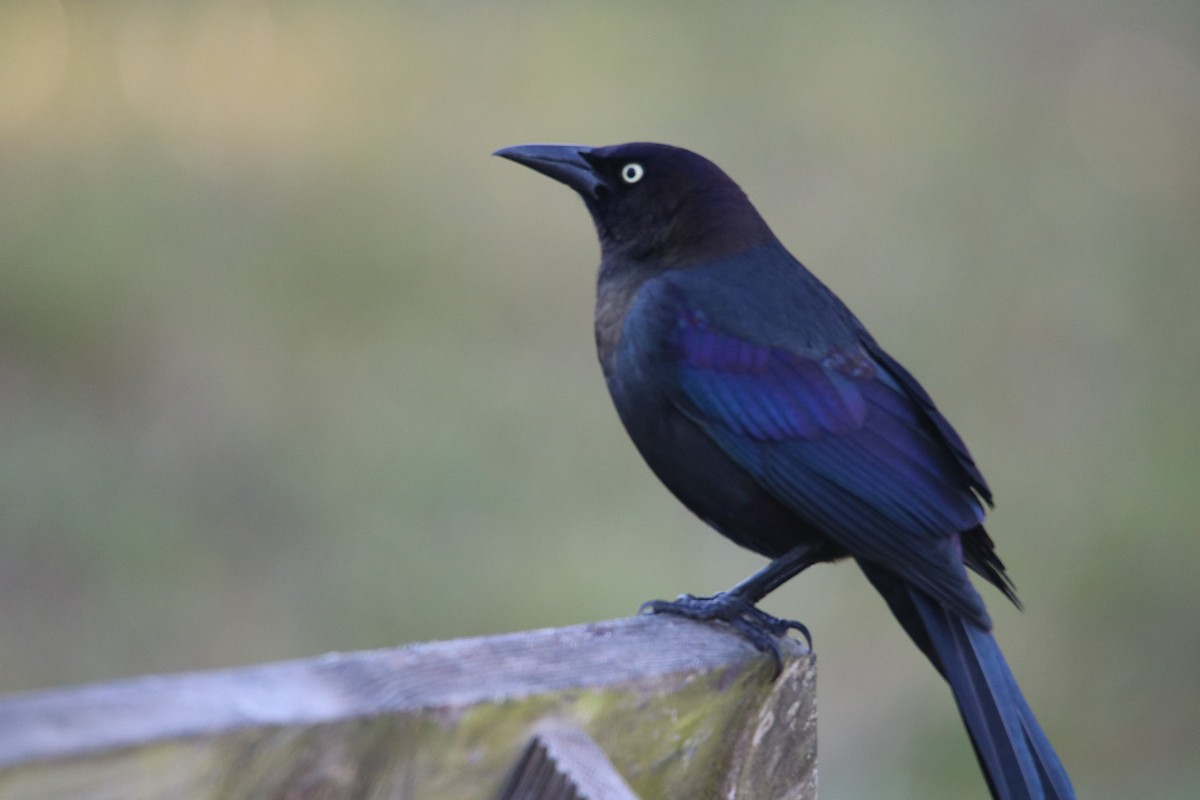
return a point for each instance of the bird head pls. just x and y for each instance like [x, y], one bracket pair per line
[652, 202]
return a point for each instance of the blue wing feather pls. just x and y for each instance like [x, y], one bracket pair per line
[841, 439]
[944, 429]
[767, 393]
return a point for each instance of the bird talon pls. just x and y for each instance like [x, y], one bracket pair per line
[756, 626]
[652, 606]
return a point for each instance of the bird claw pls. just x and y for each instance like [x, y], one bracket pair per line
[755, 625]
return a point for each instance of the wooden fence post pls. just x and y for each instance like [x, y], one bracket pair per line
[648, 707]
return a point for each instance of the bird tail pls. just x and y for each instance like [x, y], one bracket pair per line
[1016, 757]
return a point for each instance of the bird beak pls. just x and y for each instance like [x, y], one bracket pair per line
[566, 163]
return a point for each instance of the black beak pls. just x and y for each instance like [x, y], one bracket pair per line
[566, 163]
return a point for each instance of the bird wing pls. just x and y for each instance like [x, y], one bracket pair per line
[840, 437]
[930, 412]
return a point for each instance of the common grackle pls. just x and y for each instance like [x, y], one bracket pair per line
[767, 408]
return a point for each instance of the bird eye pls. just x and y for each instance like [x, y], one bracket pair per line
[632, 172]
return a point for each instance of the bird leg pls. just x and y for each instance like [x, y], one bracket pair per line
[736, 607]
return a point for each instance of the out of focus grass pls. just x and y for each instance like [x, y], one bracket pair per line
[289, 364]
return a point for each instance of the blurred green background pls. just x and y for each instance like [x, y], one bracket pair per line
[289, 364]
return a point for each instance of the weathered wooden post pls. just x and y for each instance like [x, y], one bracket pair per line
[647, 707]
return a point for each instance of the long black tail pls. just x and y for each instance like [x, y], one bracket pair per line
[1016, 757]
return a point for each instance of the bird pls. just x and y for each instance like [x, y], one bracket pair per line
[766, 407]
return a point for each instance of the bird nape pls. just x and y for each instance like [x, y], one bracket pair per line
[767, 408]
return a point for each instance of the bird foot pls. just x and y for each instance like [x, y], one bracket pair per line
[755, 625]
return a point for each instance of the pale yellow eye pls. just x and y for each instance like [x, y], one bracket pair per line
[632, 172]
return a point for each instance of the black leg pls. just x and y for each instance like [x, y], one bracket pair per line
[775, 574]
[737, 609]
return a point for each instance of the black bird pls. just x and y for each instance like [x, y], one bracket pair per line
[767, 408]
